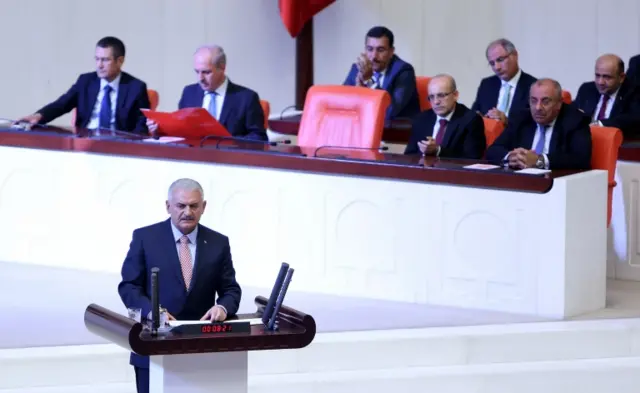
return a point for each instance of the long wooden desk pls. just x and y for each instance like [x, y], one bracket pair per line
[353, 223]
[396, 131]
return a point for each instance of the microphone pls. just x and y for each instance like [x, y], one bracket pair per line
[268, 310]
[155, 304]
[282, 111]
[272, 322]
[383, 148]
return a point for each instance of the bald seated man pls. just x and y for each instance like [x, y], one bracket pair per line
[449, 129]
[611, 100]
[548, 135]
[236, 107]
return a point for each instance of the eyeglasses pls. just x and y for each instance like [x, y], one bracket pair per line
[441, 96]
[500, 59]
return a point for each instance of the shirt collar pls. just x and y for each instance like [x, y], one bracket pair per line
[222, 89]
[193, 236]
[514, 81]
[114, 83]
[549, 126]
[447, 117]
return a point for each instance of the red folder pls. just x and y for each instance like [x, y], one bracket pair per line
[188, 123]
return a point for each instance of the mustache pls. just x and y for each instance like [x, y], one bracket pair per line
[187, 218]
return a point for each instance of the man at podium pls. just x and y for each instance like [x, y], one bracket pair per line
[194, 261]
[236, 107]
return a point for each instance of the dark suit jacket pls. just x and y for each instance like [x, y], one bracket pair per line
[241, 113]
[155, 246]
[464, 136]
[489, 91]
[625, 113]
[400, 82]
[132, 95]
[633, 71]
[570, 146]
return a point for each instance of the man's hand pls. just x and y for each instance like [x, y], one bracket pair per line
[364, 67]
[428, 147]
[497, 115]
[31, 119]
[530, 159]
[521, 158]
[216, 313]
[153, 127]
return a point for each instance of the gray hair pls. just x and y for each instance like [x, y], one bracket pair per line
[185, 184]
[448, 77]
[556, 86]
[219, 58]
[503, 42]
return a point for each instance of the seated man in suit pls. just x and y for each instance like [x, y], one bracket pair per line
[611, 100]
[380, 68]
[108, 98]
[549, 135]
[195, 265]
[633, 72]
[506, 92]
[236, 107]
[448, 129]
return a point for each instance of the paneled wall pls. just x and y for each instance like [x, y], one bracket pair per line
[47, 43]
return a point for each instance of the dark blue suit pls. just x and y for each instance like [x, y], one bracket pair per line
[464, 136]
[570, 145]
[132, 95]
[400, 82]
[625, 113]
[155, 246]
[241, 113]
[489, 91]
[633, 71]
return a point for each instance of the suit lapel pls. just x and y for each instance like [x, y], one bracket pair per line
[451, 127]
[123, 90]
[592, 103]
[390, 72]
[202, 252]
[197, 97]
[92, 95]
[171, 251]
[228, 104]
[528, 135]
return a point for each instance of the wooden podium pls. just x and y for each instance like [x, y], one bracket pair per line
[213, 362]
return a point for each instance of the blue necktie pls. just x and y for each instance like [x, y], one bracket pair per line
[213, 109]
[105, 108]
[540, 145]
[376, 80]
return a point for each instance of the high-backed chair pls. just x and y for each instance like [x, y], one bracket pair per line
[422, 84]
[492, 129]
[266, 109]
[344, 116]
[154, 101]
[566, 97]
[604, 154]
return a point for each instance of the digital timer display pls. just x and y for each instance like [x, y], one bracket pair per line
[221, 328]
[213, 328]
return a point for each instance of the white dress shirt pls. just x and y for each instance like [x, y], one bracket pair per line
[94, 122]
[513, 83]
[193, 237]
[221, 93]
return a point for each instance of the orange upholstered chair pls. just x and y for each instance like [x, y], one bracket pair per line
[604, 154]
[345, 116]
[422, 84]
[492, 129]
[566, 97]
[266, 109]
[154, 101]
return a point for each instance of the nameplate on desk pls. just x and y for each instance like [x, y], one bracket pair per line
[534, 171]
[164, 139]
[482, 167]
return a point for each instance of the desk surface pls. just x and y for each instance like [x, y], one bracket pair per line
[325, 160]
[396, 131]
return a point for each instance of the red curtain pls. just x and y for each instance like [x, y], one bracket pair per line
[295, 13]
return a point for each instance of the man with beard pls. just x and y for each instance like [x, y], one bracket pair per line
[448, 129]
[549, 135]
[236, 107]
[611, 100]
[195, 265]
[380, 68]
[107, 99]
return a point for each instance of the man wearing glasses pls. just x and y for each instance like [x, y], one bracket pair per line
[507, 91]
[548, 135]
[380, 68]
[448, 129]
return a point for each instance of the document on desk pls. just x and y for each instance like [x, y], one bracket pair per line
[534, 171]
[187, 123]
[482, 167]
[164, 139]
[252, 321]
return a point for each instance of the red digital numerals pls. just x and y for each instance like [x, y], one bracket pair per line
[216, 328]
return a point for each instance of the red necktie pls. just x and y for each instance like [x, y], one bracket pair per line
[441, 131]
[603, 107]
[185, 260]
